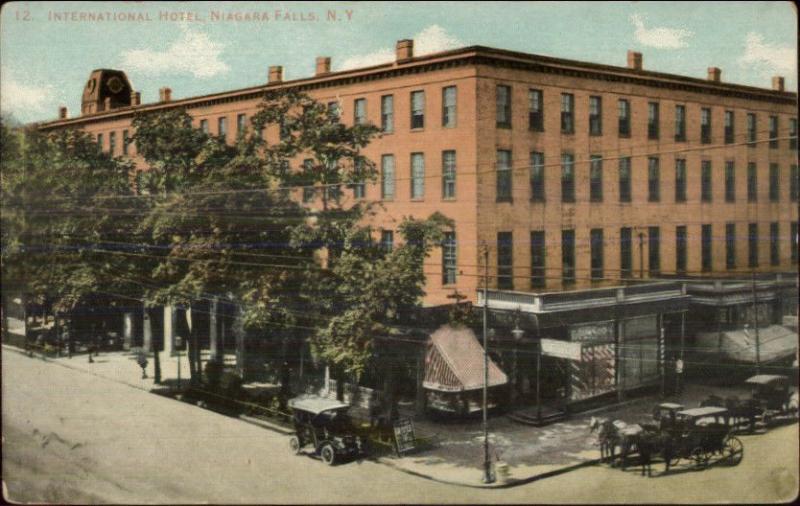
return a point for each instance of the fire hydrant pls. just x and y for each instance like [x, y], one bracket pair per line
[142, 361]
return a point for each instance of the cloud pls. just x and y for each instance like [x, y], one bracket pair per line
[193, 53]
[659, 37]
[768, 58]
[27, 101]
[432, 39]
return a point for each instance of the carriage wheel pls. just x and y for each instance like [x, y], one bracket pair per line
[733, 452]
[294, 445]
[699, 458]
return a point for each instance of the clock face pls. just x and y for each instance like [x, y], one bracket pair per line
[115, 84]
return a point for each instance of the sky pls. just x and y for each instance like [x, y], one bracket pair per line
[48, 49]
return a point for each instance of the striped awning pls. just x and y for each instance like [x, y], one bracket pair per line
[454, 362]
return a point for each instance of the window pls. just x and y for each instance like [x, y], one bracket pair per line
[652, 120]
[625, 252]
[358, 185]
[680, 123]
[360, 111]
[449, 107]
[751, 129]
[568, 257]
[112, 143]
[774, 244]
[204, 126]
[308, 189]
[705, 247]
[504, 176]
[752, 245]
[538, 277]
[794, 180]
[417, 109]
[596, 244]
[680, 249]
[705, 125]
[773, 132]
[417, 175]
[503, 98]
[222, 126]
[624, 179]
[793, 133]
[387, 240]
[535, 111]
[774, 178]
[705, 181]
[537, 177]
[624, 124]
[387, 177]
[752, 182]
[730, 246]
[334, 109]
[387, 114]
[567, 113]
[595, 116]
[793, 241]
[730, 181]
[654, 250]
[505, 261]
[333, 192]
[596, 178]
[653, 180]
[448, 174]
[449, 258]
[125, 142]
[100, 141]
[240, 124]
[729, 127]
[567, 177]
[680, 180]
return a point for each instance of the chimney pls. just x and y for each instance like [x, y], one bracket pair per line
[323, 65]
[164, 94]
[634, 60]
[778, 83]
[405, 49]
[62, 112]
[136, 98]
[107, 104]
[275, 74]
[714, 74]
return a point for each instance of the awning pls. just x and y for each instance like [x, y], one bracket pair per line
[776, 342]
[454, 362]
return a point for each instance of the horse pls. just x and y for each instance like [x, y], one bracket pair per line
[613, 433]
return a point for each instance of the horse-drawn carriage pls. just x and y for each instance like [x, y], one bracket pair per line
[771, 396]
[698, 434]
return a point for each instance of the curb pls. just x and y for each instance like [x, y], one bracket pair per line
[509, 484]
[264, 424]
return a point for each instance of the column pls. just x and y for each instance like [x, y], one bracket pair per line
[169, 330]
[213, 341]
[147, 331]
[127, 330]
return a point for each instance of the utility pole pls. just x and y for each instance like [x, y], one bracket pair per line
[755, 324]
[487, 465]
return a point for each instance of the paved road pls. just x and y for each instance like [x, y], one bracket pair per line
[72, 437]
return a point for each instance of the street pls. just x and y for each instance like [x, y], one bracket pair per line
[72, 437]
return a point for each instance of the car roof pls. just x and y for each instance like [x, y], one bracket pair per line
[706, 411]
[766, 379]
[315, 404]
[671, 405]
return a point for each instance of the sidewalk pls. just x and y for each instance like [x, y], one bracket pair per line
[457, 455]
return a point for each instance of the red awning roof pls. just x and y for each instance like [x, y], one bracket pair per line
[454, 362]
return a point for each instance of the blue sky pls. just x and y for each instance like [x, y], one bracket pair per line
[44, 61]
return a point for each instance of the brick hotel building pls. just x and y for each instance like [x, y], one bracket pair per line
[575, 175]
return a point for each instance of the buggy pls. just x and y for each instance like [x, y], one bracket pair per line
[772, 394]
[325, 425]
[701, 433]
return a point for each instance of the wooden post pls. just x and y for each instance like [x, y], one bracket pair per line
[213, 342]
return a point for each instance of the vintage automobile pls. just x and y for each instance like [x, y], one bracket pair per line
[325, 425]
[772, 393]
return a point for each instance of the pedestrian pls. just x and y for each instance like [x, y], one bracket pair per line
[678, 376]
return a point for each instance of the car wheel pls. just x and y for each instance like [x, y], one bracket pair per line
[294, 445]
[328, 454]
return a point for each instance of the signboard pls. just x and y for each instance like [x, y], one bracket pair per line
[561, 349]
[404, 434]
[603, 332]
